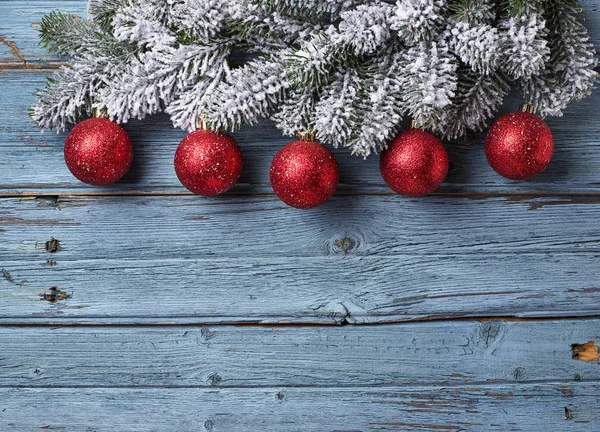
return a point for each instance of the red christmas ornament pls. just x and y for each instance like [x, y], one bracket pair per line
[519, 145]
[304, 174]
[98, 151]
[208, 163]
[415, 163]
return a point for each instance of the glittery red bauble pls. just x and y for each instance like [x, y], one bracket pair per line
[208, 163]
[415, 163]
[98, 151]
[304, 174]
[519, 146]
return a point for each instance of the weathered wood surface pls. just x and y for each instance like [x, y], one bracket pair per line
[33, 163]
[573, 169]
[188, 259]
[483, 247]
[19, 28]
[300, 290]
[436, 353]
[455, 376]
[534, 407]
[262, 226]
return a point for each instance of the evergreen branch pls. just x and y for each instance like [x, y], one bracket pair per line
[151, 82]
[278, 29]
[360, 33]
[204, 21]
[337, 113]
[381, 106]
[524, 45]
[348, 70]
[365, 29]
[102, 12]
[429, 81]
[248, 93]
[516, 8]
[314, 11]
[569, 74]
[71, 35]
[417, 20]
[66, 98]
[296, 115]
[477, 45]
[473, 11]
[190, 105]
[312, 65]
[144, 23]
[477, 98]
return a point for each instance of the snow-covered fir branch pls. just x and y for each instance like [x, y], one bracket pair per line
[569, 74]
[337, 112]
[102, 12]
[429, 81]
[473, 12]
[247, 94]
[477, 98]
[381, 106]
[349, 71]
[308, 9]
[525, 48]
[418, 20]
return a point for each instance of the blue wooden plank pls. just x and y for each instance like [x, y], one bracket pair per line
[358, 259]
[154, 227]
[417, 354]
[19, 28]
[33, 162]
[571, 407]
[328, 290]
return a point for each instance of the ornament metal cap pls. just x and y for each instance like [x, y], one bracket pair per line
[414, 124]
[307, 136]
[527, 108]
[201, 124]
[96, 113]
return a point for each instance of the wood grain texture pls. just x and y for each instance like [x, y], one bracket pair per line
[483, 247]
[251, 259]
[19, 28]
[440, 353]
[328, 290]
[154, 227]
[526, 408]
[33, 162]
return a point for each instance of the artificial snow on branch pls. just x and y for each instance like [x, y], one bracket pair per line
[349, 71]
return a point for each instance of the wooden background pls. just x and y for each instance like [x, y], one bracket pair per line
[142, 308]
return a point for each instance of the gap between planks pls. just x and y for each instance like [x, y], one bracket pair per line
[472, 385]
[588, 197]
[280, 323]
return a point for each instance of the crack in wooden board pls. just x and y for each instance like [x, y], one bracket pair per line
[14, 51]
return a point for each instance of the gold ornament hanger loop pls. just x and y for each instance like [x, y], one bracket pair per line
[201, 124]
[307, 135]
[527, 108]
